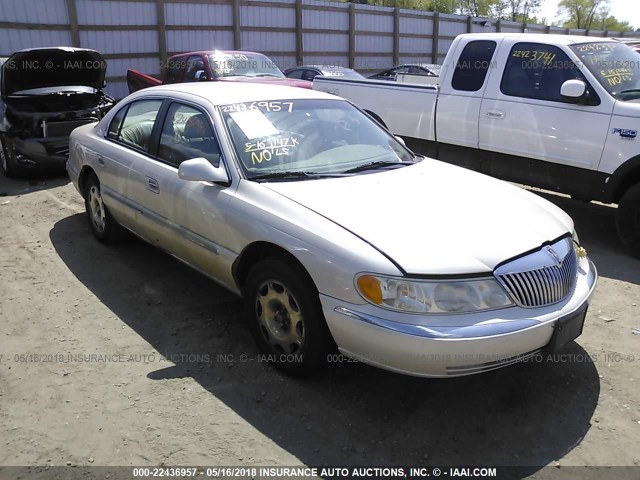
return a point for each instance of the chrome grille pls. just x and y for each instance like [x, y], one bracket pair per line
[541, 278]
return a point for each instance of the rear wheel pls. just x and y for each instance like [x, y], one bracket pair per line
[286, 318]
[628, 220]
[102, 224]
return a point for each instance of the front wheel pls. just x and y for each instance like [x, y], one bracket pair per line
[286, 318]
[628, 220]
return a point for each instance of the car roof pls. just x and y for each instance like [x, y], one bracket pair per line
[223, 93]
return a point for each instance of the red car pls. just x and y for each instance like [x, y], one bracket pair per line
[218, 65]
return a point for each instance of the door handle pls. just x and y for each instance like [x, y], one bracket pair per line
[495, 114]
[152, 185]
[101, 161]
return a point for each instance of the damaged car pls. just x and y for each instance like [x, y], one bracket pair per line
[45, 94]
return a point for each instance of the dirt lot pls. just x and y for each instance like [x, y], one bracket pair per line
[175, 379]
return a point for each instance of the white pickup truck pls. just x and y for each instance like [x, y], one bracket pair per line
[551, 111]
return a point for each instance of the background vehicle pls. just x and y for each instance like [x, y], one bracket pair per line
[274, 193]
[218, 65]
[551, 111]
[426, 69]
[309, 72]
[45, 94]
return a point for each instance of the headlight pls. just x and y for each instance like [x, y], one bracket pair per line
[433, 297]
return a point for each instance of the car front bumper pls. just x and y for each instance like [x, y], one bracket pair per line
[430, 347]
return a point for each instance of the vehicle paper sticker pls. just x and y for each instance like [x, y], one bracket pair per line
[254, 124]
[265, 150]
[625, 133]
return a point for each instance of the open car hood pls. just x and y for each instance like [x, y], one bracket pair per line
[53, 67]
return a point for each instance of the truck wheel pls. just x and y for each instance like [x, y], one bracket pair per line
[628, 220]
[285, 317]
[102, 224]
[6, 160]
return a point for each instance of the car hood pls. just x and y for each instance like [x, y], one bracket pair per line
[434, 218]
[289, 82]
[53, 67]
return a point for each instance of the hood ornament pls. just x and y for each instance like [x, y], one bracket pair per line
[552, 253]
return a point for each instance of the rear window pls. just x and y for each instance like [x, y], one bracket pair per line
[473, 65]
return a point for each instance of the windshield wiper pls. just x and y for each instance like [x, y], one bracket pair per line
[377, 164]
[631, 90]
[292, 175]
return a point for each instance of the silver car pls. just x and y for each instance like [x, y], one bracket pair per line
[333, 231]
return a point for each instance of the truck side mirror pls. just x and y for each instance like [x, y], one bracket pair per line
[201, 76]
[574, 90]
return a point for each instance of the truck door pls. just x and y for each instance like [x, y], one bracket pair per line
[541, 137]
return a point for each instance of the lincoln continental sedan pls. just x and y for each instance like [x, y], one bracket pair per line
[342, 241]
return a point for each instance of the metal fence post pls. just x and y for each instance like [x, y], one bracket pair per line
[352, 35]
[73, 22]
[299, 42]
[237, 38]
[396, 36]
[162, 30]
[435, 47]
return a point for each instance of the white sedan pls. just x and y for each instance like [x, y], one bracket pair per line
[334, 232]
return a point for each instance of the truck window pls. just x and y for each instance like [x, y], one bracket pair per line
[175, 67]
[473, 65]
[195, 68]
[537, 71]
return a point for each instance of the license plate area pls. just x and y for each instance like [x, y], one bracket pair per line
[566, 330]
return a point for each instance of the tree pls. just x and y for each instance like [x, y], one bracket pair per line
[581, 13]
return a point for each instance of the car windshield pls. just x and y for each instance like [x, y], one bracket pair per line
[243, 64]
[307, 138]
[615, 66]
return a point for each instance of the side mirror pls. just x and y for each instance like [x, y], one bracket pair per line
[573, 89]
[201, 76]
[201, 170]
[400, 139]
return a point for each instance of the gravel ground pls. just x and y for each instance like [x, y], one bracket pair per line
[123, 356]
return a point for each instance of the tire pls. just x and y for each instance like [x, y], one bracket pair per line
[285, 317]
[628, 220]
[5, 161]
[102, 224]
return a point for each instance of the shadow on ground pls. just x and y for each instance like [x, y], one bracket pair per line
[525, 415]
[23, 186]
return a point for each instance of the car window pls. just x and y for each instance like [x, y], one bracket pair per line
[186, 134]
[116, 123]
[418, 71]
[195, 68]
[297, 74]
[473, 65]
[538, 71]
[309, 75]
[137, 125]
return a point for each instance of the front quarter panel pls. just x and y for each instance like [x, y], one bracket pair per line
[331, 254]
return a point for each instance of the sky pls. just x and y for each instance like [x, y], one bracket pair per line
[628, 10]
